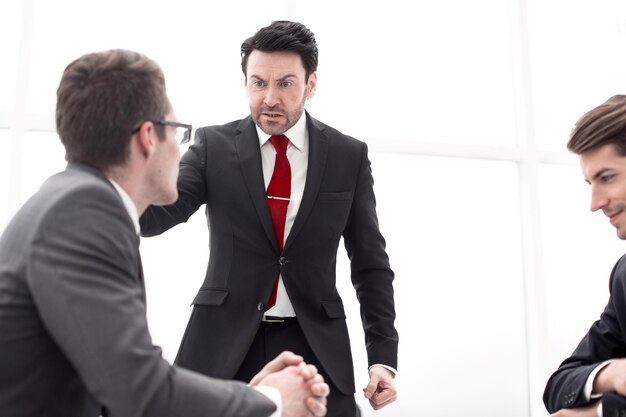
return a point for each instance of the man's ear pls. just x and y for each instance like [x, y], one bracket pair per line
[145, 139]
[311, 85]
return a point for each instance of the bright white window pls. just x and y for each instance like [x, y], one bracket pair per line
[576, 62]
[439, 71]
[466, 106]
[5, 174]
[44, 151]
[10, 24]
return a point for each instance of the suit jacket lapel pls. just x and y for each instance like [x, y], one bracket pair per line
[249, 154]
[318, 150]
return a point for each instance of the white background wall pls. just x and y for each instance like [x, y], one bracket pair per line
[466, 107]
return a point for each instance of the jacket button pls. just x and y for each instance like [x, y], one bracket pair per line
[260, 306]
[282, 261]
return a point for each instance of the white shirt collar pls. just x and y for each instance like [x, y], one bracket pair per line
[129, 205]
[297, 133]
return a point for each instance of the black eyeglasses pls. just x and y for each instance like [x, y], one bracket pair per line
[183, 131]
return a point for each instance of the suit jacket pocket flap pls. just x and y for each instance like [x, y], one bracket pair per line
[210, 297]
[334, 309]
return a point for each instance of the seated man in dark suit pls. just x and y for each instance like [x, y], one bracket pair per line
[592, 381]
[74, 339]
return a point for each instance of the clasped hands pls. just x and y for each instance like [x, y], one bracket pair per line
[302, 388]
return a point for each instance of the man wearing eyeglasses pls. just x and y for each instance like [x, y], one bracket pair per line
[281, 190]
[74, 339]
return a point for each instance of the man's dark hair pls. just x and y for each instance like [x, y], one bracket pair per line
[606, 124]
[101, 98]
[283, 36]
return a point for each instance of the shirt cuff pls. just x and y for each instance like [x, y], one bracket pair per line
[389, 368]
[274, 395]
[589, 384]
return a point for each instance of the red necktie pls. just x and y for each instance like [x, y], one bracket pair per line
[278, 194]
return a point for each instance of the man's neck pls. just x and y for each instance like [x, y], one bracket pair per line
[127, 182]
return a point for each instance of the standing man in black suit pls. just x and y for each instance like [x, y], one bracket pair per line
[74, 339]
[592, 381]
[270, 281]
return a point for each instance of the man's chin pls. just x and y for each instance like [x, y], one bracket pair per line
[270, 127]
[273, 128]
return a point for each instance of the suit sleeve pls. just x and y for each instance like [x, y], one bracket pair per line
[603, 341]
[191, 192]
[372, 276]
[83, 271]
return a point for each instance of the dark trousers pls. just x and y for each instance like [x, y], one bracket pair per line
[273, 338]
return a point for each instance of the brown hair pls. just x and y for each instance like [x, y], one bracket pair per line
[101, 98]
[603, 125]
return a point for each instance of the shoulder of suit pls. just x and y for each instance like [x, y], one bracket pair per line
[618, 276]
[75, 189]
[76, 200]
[73, 181]
[330, 132]
[315, 127]
[227, 128]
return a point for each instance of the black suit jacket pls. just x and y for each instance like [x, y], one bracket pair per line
[73, 332]
[605, 340]
[223, 169]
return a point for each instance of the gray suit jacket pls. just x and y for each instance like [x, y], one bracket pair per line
[223, 170]
[73, 333]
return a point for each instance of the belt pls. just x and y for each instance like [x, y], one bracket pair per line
[274, 319]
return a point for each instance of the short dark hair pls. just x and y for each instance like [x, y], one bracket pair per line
[101, 98]
[603, 125]
[283, 35]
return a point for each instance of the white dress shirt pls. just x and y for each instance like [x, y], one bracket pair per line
[589, 386]
[129, 204]
[298, 156]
